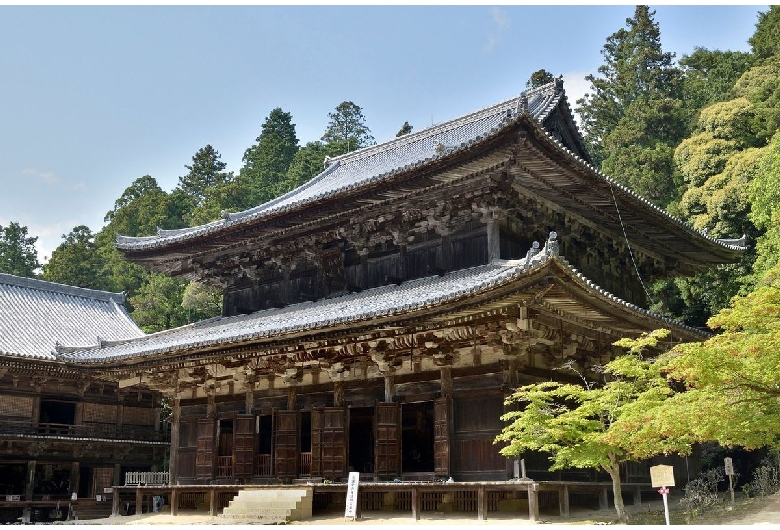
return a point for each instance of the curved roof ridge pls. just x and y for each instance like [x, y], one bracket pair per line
[52, 287]
[628, 191]
[376, 162]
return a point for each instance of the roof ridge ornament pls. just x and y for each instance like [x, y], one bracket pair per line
[522, 104]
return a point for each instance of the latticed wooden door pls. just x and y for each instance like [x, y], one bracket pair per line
[334, 442]
[287, 444]
[244, 446]
[204, 459]
[316, 442]
[388, 446]
[441, 436]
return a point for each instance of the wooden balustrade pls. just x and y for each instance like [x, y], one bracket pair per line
[224, 466]
[305, 465]
[264, 467]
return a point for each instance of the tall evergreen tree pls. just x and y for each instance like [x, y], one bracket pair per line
[17, 251]
[633, 118]
[765, 42]
[263, 175]
[405, 129]
[347, 129]
[539, 78]
[207, 171]
[76, 261]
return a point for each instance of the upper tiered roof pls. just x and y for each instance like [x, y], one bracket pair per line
[372, 172]
[37, 316]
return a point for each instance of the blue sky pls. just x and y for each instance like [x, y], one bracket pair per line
[93, 97]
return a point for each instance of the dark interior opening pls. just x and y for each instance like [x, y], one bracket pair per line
[60, 412]
[12, 479]
[417, 437]
[225, 438]
[361, 439]
[306, 432]
[85, 482]
[265, 436]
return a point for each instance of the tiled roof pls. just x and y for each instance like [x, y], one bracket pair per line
[375, 163]
[36, 316]
[370, 304]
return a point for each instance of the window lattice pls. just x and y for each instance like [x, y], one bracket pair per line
[104, 478]
[138, 416]
[16, 407]
[97, 413]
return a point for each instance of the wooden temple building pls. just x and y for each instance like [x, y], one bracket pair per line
[62, 430]
[375, 318]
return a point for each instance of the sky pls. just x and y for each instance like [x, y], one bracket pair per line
[94, 97]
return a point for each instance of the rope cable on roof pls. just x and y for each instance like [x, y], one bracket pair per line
[628, 244]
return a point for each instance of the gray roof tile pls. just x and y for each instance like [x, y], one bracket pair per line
[374, 303]
[36, 316]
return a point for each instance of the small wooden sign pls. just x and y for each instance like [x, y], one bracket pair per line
[729, 466]
[662, 476]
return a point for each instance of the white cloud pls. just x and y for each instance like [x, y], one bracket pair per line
[501, 22]
[48, 176]
[576, 87]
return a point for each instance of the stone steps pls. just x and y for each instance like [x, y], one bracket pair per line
[270, 506]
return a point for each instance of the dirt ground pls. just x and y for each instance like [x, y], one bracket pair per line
[763, 511]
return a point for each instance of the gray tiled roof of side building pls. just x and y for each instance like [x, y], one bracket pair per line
[36, 315]
[352, 308]
[377, 162]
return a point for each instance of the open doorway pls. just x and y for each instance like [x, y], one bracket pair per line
[225, 449]
[55, 416]
[417, 437]
[361, 439]
[265, 446]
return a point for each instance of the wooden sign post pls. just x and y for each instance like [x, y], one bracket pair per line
[730, 472]
[352, 495]
[662, 477]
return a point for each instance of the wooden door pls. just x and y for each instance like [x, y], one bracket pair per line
[204, 459]
[243, 446]
[388, 446]
[287, 444]
[316, 442]
[334, 442]
[441, 436]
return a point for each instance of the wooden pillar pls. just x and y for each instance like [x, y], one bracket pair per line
[139, 501]
[563, 501]
[389, 385]
[637, 496]
[174, 501]
[249, 397]
[292, 397]
[29, 482]
[211, 403]
[533, 503]
[212, 502]
[493, 240]
[173, 458]
[114, 501]
[446, 381]
[603, 499]
[75, 477]
[416, 500]
[481, 504]
[117, 474]
[338, 393]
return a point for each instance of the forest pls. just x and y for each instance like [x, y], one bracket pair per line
[697, 136]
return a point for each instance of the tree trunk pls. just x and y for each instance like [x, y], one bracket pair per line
[614, 472]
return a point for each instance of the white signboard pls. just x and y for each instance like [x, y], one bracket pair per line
[662, 476]
[12, 498]
[352, 495]
[729, 466]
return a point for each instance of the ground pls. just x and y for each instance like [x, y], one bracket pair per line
[761, 511]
